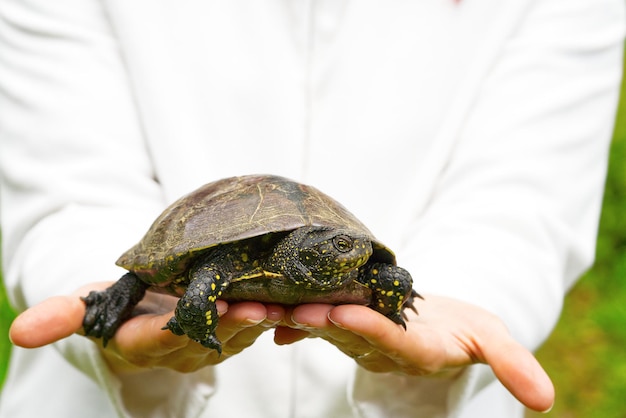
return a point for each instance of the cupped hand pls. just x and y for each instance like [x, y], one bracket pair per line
[141, 342]
[446, 336]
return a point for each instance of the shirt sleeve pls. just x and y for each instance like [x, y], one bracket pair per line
[78, 186]
[511, 220]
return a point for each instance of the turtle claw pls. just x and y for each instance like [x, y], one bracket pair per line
[409, 303]
[173, 326]
[210, 340]
[398, 318]
[105, 311]
[99, 320]
[96, 322]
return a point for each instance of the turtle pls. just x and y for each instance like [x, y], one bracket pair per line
[259, 238]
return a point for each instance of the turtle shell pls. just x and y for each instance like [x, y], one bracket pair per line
[230, 210]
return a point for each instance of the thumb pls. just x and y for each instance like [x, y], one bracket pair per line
[520, 372]
[47, 322]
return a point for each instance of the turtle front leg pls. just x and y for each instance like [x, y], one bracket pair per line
[196, 313]
[392, 290]
[108, 309]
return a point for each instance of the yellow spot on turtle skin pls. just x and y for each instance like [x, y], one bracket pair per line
[374, 281]
[381, 305]
[244, 257]
[217, 277]
[213, 286]
[396, 283]
[374, 272]
[390, 293]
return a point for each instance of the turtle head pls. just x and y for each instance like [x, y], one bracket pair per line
[322, 257]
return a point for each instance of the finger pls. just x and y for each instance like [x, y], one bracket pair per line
[242, 340]
[314, 319]
[349, 326]
[47, 322]
[252, 328]
[310, 316]
[317, 320]
[371, 339]
[141, 341]
[376, 329]
[520, 373]
[238, 329]
[416, 351]
[144, 335]
[51, 320]
[143, 338]
[275, 314]
[239, 316]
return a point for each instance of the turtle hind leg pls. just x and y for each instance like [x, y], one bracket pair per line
[106, 310]
[392, 290]
[196, 313]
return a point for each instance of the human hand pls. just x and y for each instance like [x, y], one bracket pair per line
[446, 336]
[140, 342]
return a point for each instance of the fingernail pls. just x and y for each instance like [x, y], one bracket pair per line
[299, 325]
[269, 323]
[252, 322]
[548, 410]
[221, 307]
[336, 323]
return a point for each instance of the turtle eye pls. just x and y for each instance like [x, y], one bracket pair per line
[342, 243]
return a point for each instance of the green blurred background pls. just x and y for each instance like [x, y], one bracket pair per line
[586, 355]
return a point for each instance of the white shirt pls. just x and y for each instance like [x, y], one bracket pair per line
[470, 137]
